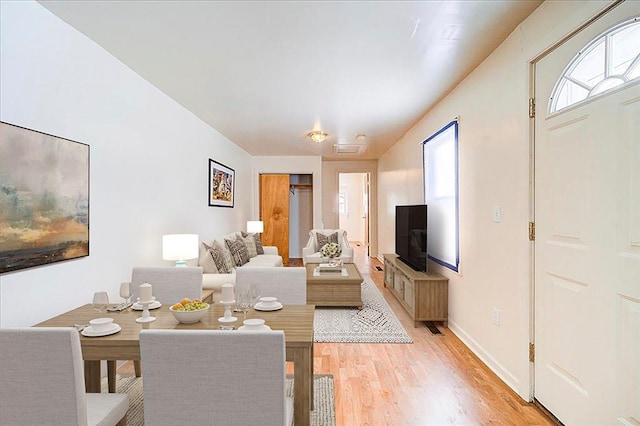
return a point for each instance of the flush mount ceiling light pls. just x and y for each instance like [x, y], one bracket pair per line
[318, 136]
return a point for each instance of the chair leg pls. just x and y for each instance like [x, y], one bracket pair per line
[138, 367]
[111, 376]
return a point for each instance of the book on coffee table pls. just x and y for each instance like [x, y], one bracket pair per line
[325, 267]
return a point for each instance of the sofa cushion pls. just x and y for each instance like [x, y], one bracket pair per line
[206, 260]
[250, 244]
[222, 257]
[322, 239]
[263, 260]
[238, 251]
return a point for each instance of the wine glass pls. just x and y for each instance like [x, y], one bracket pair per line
[244, 302]
[125, 293]
[100, 301]
[254, 293]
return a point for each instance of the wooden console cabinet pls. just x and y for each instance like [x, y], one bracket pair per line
[424, 295]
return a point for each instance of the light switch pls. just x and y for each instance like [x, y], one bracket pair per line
[497, 214]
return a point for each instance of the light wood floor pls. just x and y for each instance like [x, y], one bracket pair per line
[436, 380]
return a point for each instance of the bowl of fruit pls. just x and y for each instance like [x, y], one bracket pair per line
[188, 311]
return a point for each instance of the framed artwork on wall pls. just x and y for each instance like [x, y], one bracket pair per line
[44, 198]
[221, 184]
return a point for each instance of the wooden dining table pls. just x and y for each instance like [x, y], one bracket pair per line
[295, 320]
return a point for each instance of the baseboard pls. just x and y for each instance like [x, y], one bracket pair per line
[484, 356]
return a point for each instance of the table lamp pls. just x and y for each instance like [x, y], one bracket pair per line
[180, 247]
[255, 227]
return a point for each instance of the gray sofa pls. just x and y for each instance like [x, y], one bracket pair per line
[213, 279]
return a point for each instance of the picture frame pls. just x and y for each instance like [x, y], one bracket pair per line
[221, 185]
[44, 198]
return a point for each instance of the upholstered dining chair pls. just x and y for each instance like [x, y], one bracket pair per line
[289, 285]
[214, 377]
[42, 381]
[319, 237]
[169, 285]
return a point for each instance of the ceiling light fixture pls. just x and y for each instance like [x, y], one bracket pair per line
[318, 136]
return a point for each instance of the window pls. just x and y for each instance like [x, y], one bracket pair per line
[609, 61]
[440, 171]
[342, 202]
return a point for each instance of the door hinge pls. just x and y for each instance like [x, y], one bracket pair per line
[532, 231]
[532, 352]
[532, 108]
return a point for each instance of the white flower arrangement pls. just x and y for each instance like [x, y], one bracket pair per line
[331, 250]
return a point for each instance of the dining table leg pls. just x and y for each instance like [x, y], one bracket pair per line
[302, 386]
[92, 376]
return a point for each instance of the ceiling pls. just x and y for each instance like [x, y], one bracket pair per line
[265, 74]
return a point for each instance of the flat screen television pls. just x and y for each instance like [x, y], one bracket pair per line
[411, 235]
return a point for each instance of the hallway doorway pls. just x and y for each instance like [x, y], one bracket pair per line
[353, 208]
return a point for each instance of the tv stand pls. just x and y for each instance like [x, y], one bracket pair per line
[424, 295]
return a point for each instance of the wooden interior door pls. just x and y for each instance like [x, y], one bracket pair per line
[274, 212]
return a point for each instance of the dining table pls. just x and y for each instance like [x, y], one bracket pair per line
[295, 320]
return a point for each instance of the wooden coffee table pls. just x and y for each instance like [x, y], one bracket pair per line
[334, 289]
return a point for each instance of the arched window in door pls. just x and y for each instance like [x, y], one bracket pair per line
[610, 60]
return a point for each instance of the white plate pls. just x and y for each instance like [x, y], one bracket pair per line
[260, 307]
[88, 332]
[263, 328]
[138, 307]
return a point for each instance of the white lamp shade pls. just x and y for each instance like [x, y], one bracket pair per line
[179, 246]
[255, 226]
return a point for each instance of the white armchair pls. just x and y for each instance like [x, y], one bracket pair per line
[311, 253]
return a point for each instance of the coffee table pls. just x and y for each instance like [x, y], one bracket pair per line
[334, 289]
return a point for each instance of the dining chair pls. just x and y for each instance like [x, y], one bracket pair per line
[214, 377]
[42, 381]
[169, 285]
[289, 284]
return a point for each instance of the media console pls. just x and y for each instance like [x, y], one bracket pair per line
[424, 295]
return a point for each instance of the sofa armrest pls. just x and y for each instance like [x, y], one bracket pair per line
[270, 250]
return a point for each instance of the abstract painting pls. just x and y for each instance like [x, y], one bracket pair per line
[221, 184]
[44, 198]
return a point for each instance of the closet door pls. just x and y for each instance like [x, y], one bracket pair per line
[274, 212]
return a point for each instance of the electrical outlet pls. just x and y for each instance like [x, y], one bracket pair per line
[495, 316]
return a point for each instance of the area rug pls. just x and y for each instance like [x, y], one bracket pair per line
[374, 323]
[323, 414]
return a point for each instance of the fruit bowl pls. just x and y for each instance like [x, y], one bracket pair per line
[189, 317]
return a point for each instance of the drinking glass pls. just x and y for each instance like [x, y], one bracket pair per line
[244, 302]
[125, 293]
[100, 301]
[254, 294]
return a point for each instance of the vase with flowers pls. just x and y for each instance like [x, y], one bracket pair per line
[332, 252]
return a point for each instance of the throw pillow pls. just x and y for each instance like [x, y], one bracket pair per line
[217, 254]
[238, 251]
[325, 239]
[226, 256]
[206, 260]
[250, 243]
[259, 247]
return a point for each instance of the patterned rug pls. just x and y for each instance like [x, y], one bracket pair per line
[324, 413]
[374, 323]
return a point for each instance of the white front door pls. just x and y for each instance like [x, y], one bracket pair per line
[587, 246]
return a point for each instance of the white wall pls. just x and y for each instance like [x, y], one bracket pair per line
[149, 160]
[494, 171]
